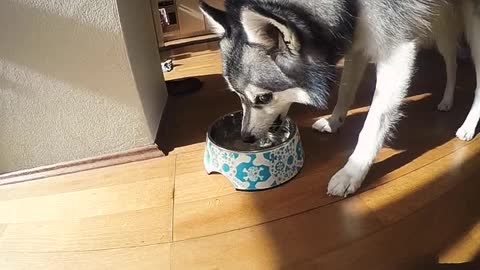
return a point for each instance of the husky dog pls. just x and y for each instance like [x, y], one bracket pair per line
[279, 52]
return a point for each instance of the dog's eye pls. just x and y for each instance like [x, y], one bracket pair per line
[264, 99]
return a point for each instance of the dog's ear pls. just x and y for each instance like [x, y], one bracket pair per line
[217, 18]
[269, 32]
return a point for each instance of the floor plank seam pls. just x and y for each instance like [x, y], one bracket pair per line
[85, 250]
[173, 210]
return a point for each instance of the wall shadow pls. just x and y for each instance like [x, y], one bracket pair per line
[187, 117]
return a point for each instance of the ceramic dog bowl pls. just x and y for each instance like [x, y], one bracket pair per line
[253, 166]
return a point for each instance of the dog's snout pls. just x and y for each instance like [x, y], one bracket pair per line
[248, 138]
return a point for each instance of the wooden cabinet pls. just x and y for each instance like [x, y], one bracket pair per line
[186, 18]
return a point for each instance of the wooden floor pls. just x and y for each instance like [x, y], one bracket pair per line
[419, 207]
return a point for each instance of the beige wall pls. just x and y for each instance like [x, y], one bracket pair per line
[73, 82]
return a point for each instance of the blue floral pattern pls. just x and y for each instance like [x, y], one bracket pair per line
[256, 171]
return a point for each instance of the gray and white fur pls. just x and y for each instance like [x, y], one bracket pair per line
[279, 52]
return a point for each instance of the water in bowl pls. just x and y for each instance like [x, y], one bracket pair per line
[226, 133]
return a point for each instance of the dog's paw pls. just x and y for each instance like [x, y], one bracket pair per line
[327, 125]
[465, 133]
[346, 181]
[445, 105]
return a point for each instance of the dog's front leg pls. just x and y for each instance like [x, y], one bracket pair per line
[353, 70]
[472, 22]
[394, 72]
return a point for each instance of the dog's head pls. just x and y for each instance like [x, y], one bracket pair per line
[275, 54]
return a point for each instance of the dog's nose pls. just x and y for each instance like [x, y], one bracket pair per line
[248, 138]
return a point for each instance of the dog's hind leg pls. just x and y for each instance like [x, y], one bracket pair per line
[472, 25]
[446, 31]
[447, 45]
[354, 68]
[394, 72]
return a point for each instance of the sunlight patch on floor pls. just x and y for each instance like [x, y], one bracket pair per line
[437, 179]
[464, 249]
